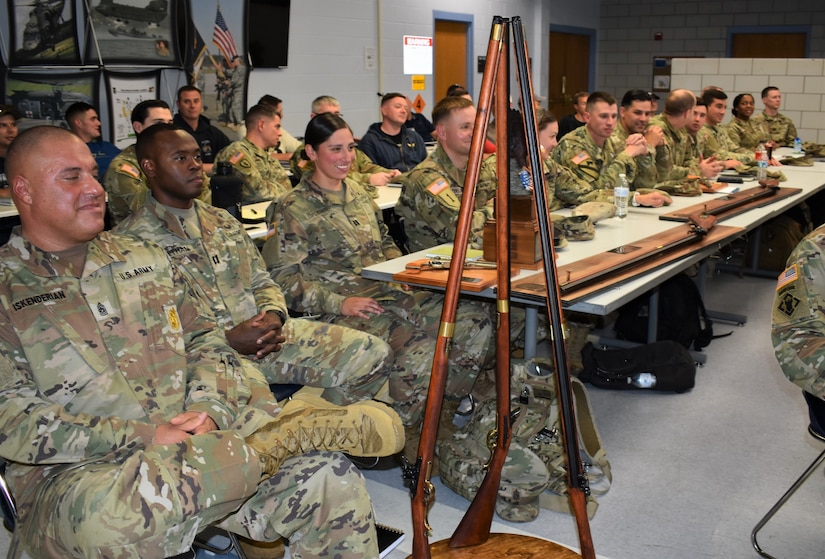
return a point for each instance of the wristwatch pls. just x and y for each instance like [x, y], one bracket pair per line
[282, 315]
[633, 201]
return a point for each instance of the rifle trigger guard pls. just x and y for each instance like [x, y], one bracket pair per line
[492, 442]
[429, 499]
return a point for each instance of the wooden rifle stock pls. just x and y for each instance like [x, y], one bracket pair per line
[474, 527]
[577, 480]
[418, 474]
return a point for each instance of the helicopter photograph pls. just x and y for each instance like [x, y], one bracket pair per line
[44, 99]
[44, 31]
[127, 30]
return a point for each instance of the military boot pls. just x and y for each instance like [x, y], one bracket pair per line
[308, 422]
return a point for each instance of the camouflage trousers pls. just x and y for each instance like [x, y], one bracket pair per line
[350, 365]
[152, 503]
[410, 326]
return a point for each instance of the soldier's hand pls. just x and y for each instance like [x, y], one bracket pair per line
[183, 426]
[651, 199]
[257, 336]
[655, 136]
[382, 179]
[710, 167]
[362, 307]
[733, 164]
[635, 145]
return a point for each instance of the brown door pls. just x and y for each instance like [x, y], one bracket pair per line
[450, 56]
[569, 70]
[769, 45]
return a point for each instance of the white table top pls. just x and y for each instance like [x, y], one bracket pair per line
[641, 223]
[8, 210]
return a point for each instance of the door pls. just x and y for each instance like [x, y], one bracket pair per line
[450, 56]
[569, 70]
[768, 45]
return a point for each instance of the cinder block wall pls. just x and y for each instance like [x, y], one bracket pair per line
[801, 80]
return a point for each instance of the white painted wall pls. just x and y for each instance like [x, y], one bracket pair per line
[328, 38]
[802, 82]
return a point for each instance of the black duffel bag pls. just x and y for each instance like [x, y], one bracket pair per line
[663, 366]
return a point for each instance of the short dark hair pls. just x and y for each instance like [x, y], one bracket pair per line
[270, 100]
[457, 91]
[768, 90]
[711, 95]
[635, 95]
[391, 96]
[447, 105]
[452, 88]
[147, 137]
[578, 95]
[321, 127]
[29, 141]
[258, 112]
[141, 110]
[77, 109]
[700, 103]
[185, 88]
[597, 96]
[736, 101]
[545, 118]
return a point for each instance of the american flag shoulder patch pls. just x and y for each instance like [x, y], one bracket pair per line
[580, 158]
[236, 157]
[437, 186]
[129, 170]
[788, 276]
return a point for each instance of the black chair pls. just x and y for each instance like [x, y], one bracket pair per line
[219, 542]
[816, 427]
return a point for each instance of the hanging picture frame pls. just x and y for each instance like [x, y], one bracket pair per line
[216, 60]
[124, 91]
[132, 31]
[43, 33]
[42, 98]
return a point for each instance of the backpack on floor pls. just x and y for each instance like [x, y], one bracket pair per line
[682, 316]
[663, 366]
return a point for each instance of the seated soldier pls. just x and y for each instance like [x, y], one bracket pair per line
[124, 181]
[390, 143]
[713, 135]
[431, 194]
[128, 423]
[265, 178]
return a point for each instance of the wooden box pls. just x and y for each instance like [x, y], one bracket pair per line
[525, 244]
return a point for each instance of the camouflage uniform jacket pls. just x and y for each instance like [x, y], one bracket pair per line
[99, 361]
[362, 168]
[431, 198]
[715, 141]
[677, 162]
[322, 243]
[746, 135]
[225, 263]
[780, 128]
[266, 179]
[596, 170]
[125, 185]
[798, 321]
[645, 173]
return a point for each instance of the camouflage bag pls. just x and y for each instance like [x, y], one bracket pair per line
[534, 475]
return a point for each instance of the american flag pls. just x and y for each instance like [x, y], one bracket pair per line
[223, 38]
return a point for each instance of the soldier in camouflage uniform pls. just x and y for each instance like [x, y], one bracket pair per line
[798, 315]
[745, 132]
[634, 118]
[781, 129]
[431, 194]
[328, 230]
[124, 180]
[127, 421]
[713, 136]
[265, 178]
[584, 152]
[220, 258]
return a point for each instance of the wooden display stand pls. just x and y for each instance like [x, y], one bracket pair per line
[504, 545]
[525, 245]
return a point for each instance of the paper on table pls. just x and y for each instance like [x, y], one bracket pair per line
[447, 250]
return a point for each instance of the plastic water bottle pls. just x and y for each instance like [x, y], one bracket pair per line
[797, 145]
[761, 163]
[621, 195]
[643, 380]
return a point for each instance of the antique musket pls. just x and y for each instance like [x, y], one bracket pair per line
[720, 206]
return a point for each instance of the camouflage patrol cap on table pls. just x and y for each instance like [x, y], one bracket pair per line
[596, 210]
[576, 228]
[804, 161]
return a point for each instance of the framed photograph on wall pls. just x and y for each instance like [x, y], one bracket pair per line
[142, 31]
[216, 61]
[43, 32]
[42, 98]
[124, 92]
